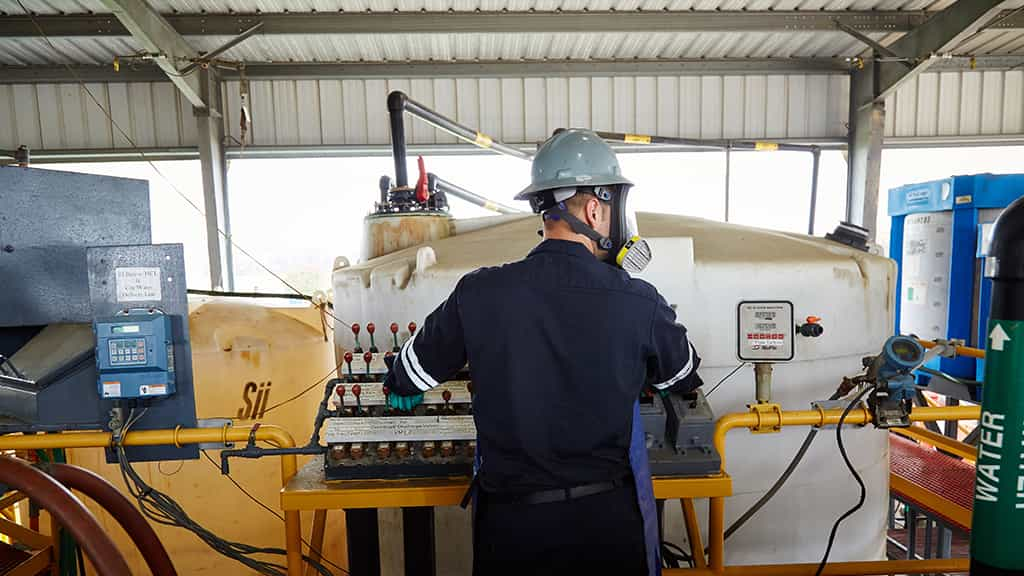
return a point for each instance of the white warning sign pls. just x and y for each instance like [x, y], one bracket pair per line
[137, 284]
[399, 429]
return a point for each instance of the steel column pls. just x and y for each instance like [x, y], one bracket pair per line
[867, 126]
[215, 186]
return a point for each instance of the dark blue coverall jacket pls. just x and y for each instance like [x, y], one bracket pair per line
[560, 345]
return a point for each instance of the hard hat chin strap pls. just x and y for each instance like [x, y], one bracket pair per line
[578, 226]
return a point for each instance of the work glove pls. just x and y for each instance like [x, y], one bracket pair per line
[404, 403]
[396, 402]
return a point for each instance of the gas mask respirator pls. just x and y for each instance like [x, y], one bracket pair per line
[624, 245]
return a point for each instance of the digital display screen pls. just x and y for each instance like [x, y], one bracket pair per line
[126, 329]
[905, 350]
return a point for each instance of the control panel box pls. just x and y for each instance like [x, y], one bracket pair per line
[135, 356]
[367, 439]
[765, 331]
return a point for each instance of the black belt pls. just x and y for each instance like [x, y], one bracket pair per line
[562, 494]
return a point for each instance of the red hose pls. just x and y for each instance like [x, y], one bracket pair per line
[117, 505]
[69, 512]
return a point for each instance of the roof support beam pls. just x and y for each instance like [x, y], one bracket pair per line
[881, 76]
[922, 48]
[396, 23]
[490, 69]
[160, 40]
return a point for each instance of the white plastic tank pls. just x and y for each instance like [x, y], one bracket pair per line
[704, 269]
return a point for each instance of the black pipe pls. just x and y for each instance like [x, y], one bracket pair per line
[396, 105]
[447, 187]
[398, 100]
[816, 154]
[697, 143]
[312, 447]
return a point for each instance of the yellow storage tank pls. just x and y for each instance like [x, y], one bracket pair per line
[248, 357]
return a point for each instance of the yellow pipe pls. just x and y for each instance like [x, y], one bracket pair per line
[960, 350]
[179, 436]
[858, 415]
[176, 437]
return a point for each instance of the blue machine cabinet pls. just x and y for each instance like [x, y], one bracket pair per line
[939, 237]
[134, 355]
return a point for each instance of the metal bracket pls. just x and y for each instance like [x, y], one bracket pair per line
[824, 405]
[763, 409]
[215, 423]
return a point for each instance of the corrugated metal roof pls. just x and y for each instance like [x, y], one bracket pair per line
[250, 6]
[488, 47]
[517, 110]
[353, 112]
[461, 47]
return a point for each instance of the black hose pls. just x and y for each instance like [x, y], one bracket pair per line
[780, 482]
[951, 378]
[856, 476]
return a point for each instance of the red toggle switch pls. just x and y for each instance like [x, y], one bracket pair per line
[357, 390]
[348, 361]
[371, 328]
[368, 357]
[340, 391]
[412, 328]
[355, 334]
[394, 334]
[446, 395]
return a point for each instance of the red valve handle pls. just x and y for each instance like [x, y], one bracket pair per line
[394, 327]
[368, 357]
[348, 357]
[357, 390]
[412, 328]
[355, 329]
[371, 328]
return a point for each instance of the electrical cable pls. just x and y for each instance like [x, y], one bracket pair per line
[267, 508]
[790, 468]
[853, 471]
[950, 377]
[227, 237]
[305, 391]
[233, 294]
[160, 508]
[727, 376]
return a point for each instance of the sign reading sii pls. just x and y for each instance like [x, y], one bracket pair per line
[254, 408]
